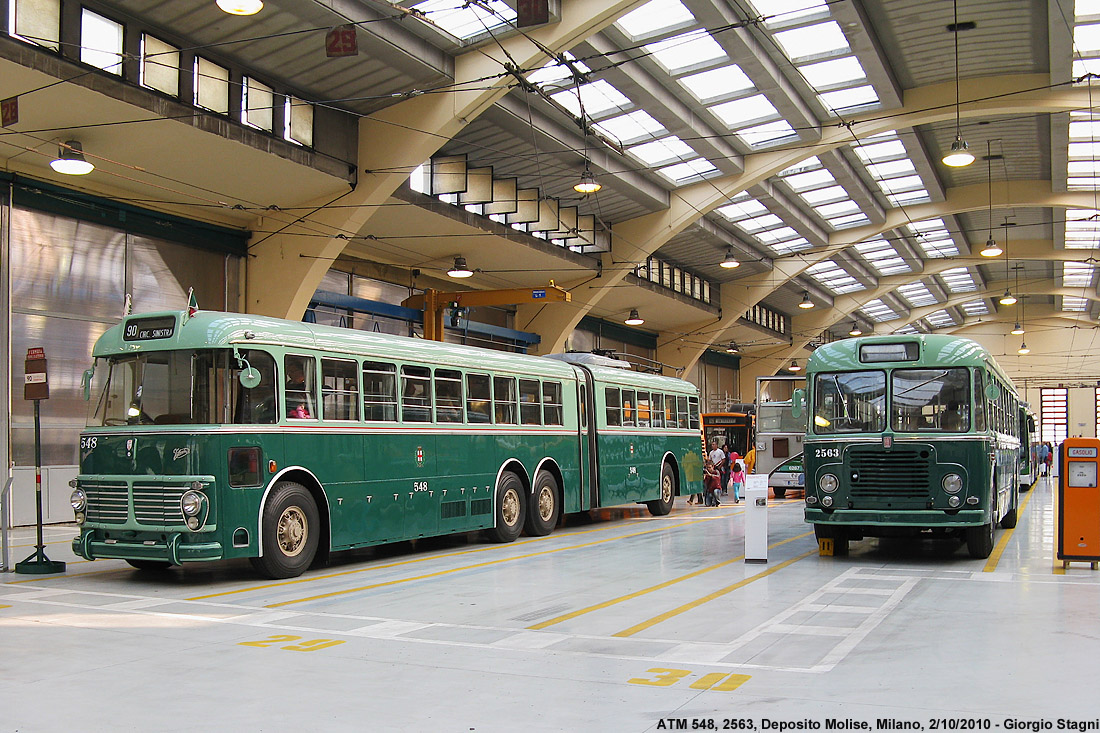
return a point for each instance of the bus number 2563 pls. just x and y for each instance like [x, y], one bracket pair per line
[826, 452]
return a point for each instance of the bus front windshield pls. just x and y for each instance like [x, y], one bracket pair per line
[931, 400]
[196, 387]
[849, 402]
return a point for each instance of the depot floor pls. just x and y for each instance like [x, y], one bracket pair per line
[620, 622]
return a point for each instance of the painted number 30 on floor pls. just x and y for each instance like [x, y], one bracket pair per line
[712, 681]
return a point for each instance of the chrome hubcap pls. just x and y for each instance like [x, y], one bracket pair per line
[666, 488]
[292, 531]
[546, 503]
[509, 508]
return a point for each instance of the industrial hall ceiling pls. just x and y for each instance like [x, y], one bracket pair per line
[802, 140]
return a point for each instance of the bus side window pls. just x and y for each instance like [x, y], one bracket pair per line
[658, 410]
[628, 407]
[416, 394]
[379, 391]
[551, 404]
[530, 402]
[339, 389]
[979, 401]
[255, 406]
[479, 398]
[448, 395]
[693, 413]
[643, 409]
[504, 400]
[301, 387]
[611, 403]
[682, 419]
[584, 406]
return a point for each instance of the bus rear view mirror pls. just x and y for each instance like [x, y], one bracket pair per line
[86, 383]
[250, 377]
[798, 401]
[992, 391]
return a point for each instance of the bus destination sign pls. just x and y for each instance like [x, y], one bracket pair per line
[146, 329]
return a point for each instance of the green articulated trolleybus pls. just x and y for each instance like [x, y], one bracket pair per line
[221, 435]
[911, 436]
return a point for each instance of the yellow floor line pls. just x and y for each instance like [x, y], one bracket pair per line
[995, 556]
[644, 591]
[710, 597]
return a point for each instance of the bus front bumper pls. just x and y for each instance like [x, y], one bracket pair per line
[930, 519]
[169, 548]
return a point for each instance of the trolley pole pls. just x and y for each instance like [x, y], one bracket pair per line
[37, 388]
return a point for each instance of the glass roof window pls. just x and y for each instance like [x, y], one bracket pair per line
[1077, 275]
[1082, 229]
[631, 128]
[933, 238]
[782, 12]
[841, 208]
[975, 308]
[745, 111]
[1086, 8]
[741, 207]
[598, 97]
[686, 51]
[940, 319]
[824, 195]
[909, 197]
[1086, 38]
[775, 236]
[766, 134]
[760, 223]
[1074, 304]
[789, 246]
[812, 41]
[554, 72]
[846, 99]
[901, 185]
[849, 220]
[834, 277]
[654, 17]
[719, 83]
[1084, 135]
[958, 280]
[1081, 67]
[833, 74]
[878, 311]
[880, 151]
[882, 256]
[469, 20]
[800, 182]
[908, 329]
[917, 294]
[688, 171]
[669, 149]
[891, 168]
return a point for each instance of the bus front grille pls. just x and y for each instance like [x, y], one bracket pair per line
[894, 474]
[158, 505]
[107, 503]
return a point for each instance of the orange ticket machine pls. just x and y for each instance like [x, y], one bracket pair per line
[1079, 501]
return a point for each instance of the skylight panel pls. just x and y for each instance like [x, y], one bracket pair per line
[1081, 67]
[769, 132]
[880, 151]
[631, 128]
[810, 179]
[758, 223]
[836, 72]
[891, 169]
[1086, 38]
[917, 294]
[598, 97]
[470, 20]
[909, 197]
[1074, 304]
[878, 311]
[907, 330]
[1082, 229]
[742, 209]
[1084, 150]
[813, 40]
[654, 16]
[1085, 8]
[1083, 167]
[717, 83]
[824, 195]
[938, 247]
[835, 278]
[686, 50]
[744, 111]
[882, 256]
[662, 151]
[828, 211]
[896, 185]
[785, 11]
[1084, 130]
[789, 246]
[688, 170]
[848, 98]
[851, 220]
[975, 308]
[806, 164]
[554, 71]
[1077, 275]
[940, 319]
[773, 236]
[958, 280]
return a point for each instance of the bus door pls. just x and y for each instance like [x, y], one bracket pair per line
[589, 495]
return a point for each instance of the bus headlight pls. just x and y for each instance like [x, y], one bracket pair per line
[79, 500]
[953, 501]
[191, 503]
[952, 483]
[828, 483]
[826, 501]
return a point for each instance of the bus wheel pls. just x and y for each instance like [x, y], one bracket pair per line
[779, 491]
[291, 526]
[979, 540]
[542, 513]
[837, 535]
[509, 509]
[157, 565]
[662, 506]
[1008, 521]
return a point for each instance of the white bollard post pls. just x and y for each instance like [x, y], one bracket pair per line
[756, 518]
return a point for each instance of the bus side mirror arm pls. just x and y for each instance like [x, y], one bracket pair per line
[86, 383]
[798, 401]
[249, 376]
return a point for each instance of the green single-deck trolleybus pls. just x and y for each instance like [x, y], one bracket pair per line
[910, 436]
[220, 435]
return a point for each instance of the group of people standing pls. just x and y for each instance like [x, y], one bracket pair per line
[723, 473]
[1045, 454]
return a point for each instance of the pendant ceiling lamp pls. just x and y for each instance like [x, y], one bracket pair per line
[634, 319]
[460, 270]
[960, 154]
[70, 159]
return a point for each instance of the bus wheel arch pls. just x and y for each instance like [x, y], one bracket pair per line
[544, 504]
[668, 486]
[310, 483]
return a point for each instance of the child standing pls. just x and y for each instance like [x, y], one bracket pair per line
[711, 484]
[737, 478]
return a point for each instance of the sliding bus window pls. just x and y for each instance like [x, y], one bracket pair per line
[628, 407]
[339, 389]
[379, 391]
[504, 400]
[530, 403]
[301, 387]
[613, 406]
[658, 410]
[448, 395]
[479, 398]
[552, 404]
[643, 409]
[416, 394]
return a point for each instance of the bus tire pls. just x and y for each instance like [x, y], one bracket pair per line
[545, 507]
[837, 535]
[979, 540]
[779, 491]
[1008, 521]
[291, 529]
[509, 510]
[661, 506]
[150, 565]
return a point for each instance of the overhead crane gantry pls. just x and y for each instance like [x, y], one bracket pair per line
[432, 302]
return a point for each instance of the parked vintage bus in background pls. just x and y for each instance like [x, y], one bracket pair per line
[1029, 448]
[220, 435]
[779, 433]
[911, 436]
[735, 427]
